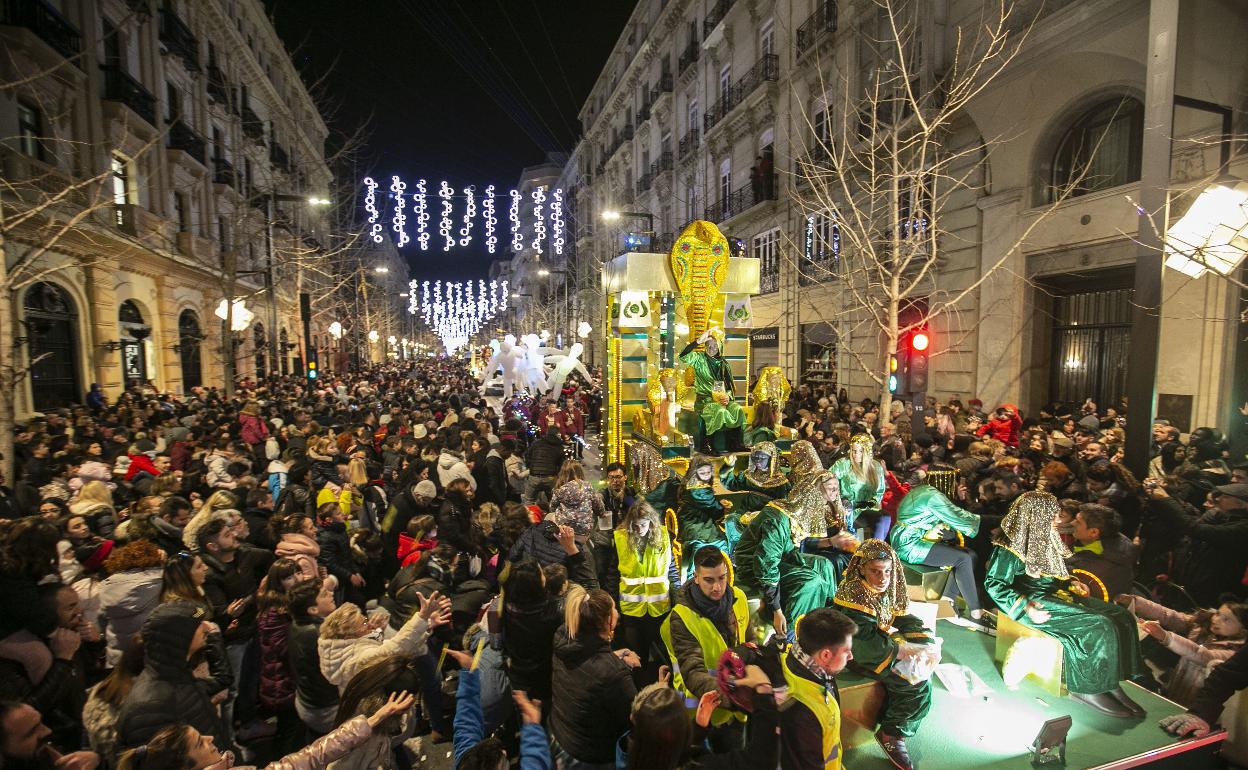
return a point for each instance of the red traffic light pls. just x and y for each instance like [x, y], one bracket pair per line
[919, 341]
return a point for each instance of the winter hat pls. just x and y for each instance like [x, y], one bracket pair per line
[144, 445]
[1062, 440]
[426, 488]
[175, 622]
[419, 431]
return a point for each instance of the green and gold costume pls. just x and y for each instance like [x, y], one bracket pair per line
[699, 516]
[859, 492]
[876, 643]
[709, 372]
[922, 513]
[1099, 641]
[765, 485]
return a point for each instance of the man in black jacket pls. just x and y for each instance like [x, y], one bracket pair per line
[1216, 554]
[167, 692]
[1101, 549]
[491, 477]
[234, 574]
[316, 699]
[824, 647]
[543, 459]
[25, 743]
[169, 521]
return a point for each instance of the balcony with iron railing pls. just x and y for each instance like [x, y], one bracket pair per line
[180, 40]
[715, 16]
[223, 172]
[120, 87]
[688, 143]
[253, 126]
[815, 164]
[663, 164]
[766, 69]
[769, 280]
[279, 157]
[644, 183]
[46, 23]
[182, 137]
[662, 86]
[643, 112]
[743, 199]
[688, 56]
[218, 85]
[622, 136]
[822, 21]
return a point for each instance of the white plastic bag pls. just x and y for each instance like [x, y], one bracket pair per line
[917, 662]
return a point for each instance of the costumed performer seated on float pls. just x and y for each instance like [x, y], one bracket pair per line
[862, 486]
[927, 532]
[762, 476]
[873, 595]
[699, 514]
[771, 393]
[1027, 579]
[769, 559]
[722, 417]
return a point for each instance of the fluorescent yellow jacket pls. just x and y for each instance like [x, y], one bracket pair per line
[824, 707]
[644, 588]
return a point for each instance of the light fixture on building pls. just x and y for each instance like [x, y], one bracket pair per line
[335, 330]
[314, 201]
[373, 336]
[583, 329]
[543, 272]
[1213, 233]
[240, 316]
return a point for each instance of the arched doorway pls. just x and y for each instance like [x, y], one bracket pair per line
[134, 333]
[189, 337]
[258, 339]
[51, 321]
[283, 347]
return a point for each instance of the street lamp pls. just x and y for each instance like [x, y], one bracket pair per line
[381, 269]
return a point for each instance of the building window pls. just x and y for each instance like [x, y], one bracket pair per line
[182, 211]
[30, 130]
[1091, 336]
[820, 126]
[725, 184]
[173, 103]
[821, 252]
[725, 82]
[112, 44]
[121, 185]
[1100, 150]
[767, 38]
[693, 115]
[765, 247]
[914, 206]
[223, 233]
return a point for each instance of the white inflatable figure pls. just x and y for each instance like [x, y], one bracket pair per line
[489, 374]
[564, 364]
[534, 376]
[511, 359]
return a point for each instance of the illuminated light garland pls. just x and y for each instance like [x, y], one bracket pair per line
[539, 224]
[556, 220]
[487, 207]
[503, 293]
[370, 205]
[424, 300]
[397, 186]
[470, 211]
[413, 300]
[444, 227]
[517, 240]
[458, 316]
[421, 210]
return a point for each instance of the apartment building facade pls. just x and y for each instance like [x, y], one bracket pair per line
[193, 148]
[717, 110]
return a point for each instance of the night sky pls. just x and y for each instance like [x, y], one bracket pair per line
[470, 91]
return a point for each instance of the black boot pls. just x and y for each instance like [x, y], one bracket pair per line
[895, 749]
[736, 441]
[1136, 709]
[1104, 703]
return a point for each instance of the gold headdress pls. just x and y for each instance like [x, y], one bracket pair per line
[648, 467]
[718, 335]
[691, 475]
[862, 439]
[803, 461]
[810, 514]
[856, 593]
[1029, 533]
[772, 477]
[772, 386]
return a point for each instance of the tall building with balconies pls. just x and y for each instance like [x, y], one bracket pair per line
[191, 148]
[724, 110]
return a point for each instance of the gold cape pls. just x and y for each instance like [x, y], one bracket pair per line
[1028, 530]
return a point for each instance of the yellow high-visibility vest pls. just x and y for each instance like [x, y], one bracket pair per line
[644, 588]
[825, 708]
[711, 642]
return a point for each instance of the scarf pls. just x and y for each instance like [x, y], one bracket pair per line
[856, 593]
[718, 611]
[826, 679]
[1029, 533]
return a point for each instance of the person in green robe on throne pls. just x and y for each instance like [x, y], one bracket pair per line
[721, 417]
[1027, 579]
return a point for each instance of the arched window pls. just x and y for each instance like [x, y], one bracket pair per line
[189, 337]
[51, 322]
[1100, 150]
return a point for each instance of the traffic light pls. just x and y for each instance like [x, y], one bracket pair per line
[312, 372]
[892, 374]
[917, 374]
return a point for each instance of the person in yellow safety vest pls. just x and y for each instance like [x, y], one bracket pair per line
[810, 719]
[642, 575]
[710, 615]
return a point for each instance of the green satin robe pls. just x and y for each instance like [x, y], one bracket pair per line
[1100, 643]
[707, 373]
[875, 651]
[698, 515]
[855, 490]
[769, 566]
[923, 509]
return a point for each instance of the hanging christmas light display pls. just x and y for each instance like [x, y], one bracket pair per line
[444, 227]
[470, 211]
[556, 220]
[370, 206]
[491, 241]
[517, 240]
[460, 315]
[421, 209]
[539, 224]
[397, 186]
